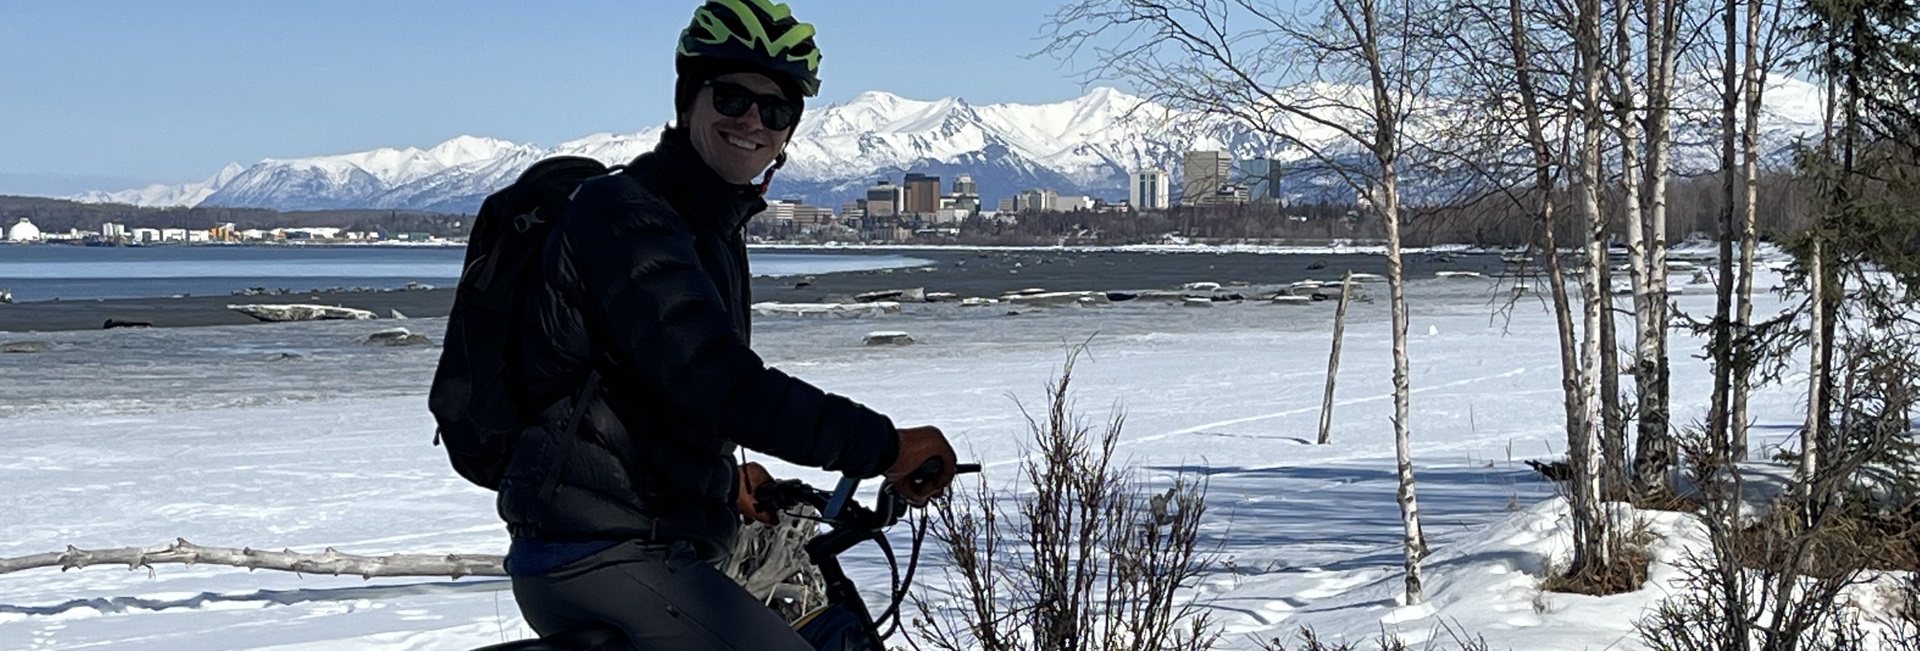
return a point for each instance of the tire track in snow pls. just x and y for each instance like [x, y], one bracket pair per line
[1285, 413]
[1307, 410]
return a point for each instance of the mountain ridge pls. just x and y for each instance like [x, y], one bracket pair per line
[1085, 145]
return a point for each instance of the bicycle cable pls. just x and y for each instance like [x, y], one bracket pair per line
[901, 587]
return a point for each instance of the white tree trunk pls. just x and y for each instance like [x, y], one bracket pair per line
[1543, 187]
[1590, 526]
[1388, 97]
[1646, 337]
[1415, 538]
[1656, 451]
[1333, 359]
[1749, 237]
[1816, 370]
[1720, 346]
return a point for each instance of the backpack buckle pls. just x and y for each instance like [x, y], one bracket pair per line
[526, 221]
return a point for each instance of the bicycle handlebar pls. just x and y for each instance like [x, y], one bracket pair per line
[837, 507]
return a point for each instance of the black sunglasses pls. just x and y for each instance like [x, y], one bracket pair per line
[733, 100]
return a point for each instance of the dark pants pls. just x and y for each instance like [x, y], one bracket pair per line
[661, 597]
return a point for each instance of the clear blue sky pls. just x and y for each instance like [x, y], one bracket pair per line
[108, 94]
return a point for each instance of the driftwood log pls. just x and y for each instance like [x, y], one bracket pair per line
[769, 561]
[330, 561]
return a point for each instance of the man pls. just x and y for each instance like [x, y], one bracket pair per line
[620, 510]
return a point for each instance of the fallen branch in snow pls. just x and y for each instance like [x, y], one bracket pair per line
[769, 561]
[330, 561]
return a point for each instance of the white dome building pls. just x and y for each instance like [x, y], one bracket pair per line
[23, 231]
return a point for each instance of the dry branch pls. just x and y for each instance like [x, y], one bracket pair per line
[330, 561]
[769, 561]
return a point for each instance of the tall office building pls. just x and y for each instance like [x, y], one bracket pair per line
[1204, 173]
[922, 194]
[885, 200]
[1147, 189]
[1261, 178]
[1037, 201]
[966, 196]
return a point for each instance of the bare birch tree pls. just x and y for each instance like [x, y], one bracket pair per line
[1720, 342]
[1546, 163]
[1655, 449]
[1353, 71]
[1546, 60]
[1765, 47]
[1630, 134]
[1590, 522]
[1752, 84]
[1514, 61]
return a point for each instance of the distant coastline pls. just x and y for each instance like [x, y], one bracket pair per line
[84, 273]
[438, 243]
[1235, 246]
[961, 271]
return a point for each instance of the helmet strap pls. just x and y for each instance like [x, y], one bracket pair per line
[767, 180]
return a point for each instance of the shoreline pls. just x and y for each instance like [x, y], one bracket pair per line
[1341, 247]
[965, 272]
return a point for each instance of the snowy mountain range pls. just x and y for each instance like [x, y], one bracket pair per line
[1087, 145]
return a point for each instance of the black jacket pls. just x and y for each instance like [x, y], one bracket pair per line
[647, 281]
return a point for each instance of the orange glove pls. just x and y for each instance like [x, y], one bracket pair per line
[752, 477]
[915, 476]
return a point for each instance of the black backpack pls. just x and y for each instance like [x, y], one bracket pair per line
[475, 395]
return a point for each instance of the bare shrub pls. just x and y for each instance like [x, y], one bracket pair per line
[1626, 540]
[1091, 558]
[1778, 580]
[1900, 630]
[1627, 571]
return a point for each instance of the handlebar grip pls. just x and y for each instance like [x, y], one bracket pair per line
[931, 468]
[928, 469]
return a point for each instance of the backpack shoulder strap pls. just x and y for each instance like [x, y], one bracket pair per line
[570, 436]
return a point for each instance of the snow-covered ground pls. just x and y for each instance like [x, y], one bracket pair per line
[297, 436]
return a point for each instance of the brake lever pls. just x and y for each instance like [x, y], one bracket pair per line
[841, 494]
[889, 505]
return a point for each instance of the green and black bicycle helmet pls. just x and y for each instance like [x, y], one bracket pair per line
[760, 36]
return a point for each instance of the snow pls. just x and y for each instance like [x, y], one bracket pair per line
[1086, 144]
[120, 438]
[161, 195]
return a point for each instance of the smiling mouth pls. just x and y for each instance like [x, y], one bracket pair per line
[741, 143]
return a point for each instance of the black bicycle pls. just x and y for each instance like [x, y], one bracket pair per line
[844, 623]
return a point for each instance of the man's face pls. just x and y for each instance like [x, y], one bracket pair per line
[737, 148]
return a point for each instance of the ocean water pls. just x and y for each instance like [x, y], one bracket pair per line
[46, 272]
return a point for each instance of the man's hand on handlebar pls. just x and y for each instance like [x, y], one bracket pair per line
[753, 477]
[925, 467]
